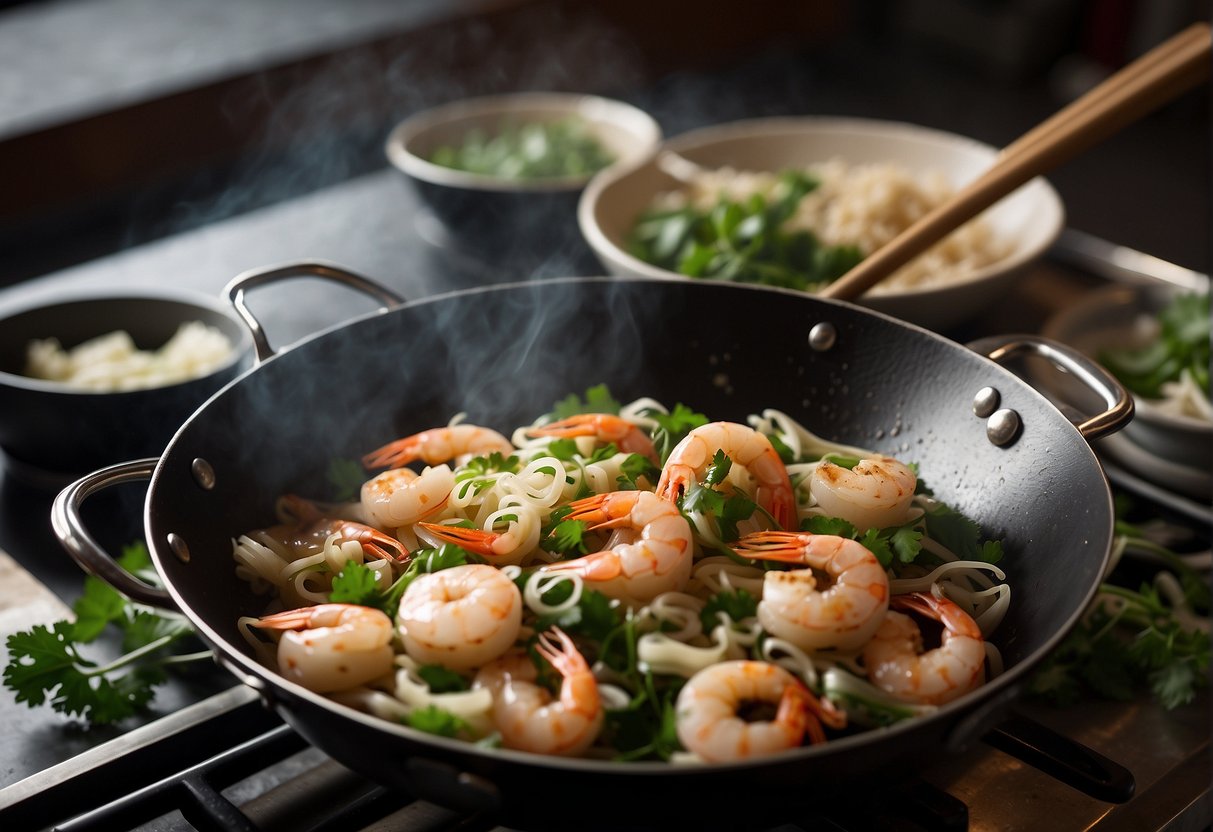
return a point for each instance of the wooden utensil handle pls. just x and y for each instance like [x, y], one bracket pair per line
[1171, 68]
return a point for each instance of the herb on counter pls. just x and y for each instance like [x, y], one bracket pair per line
[1182, 345]
[743, 241]
[48, 664]
[1154, 637]
[532, 150]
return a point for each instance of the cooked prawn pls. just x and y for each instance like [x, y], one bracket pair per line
[690, 459]
[844, 615]
[438, 445]
[708, 719]
[654, 555]
[605, 427]
[310, 531]
[400, 496]
[876, 493]
[525, 713]
[332, 647]
[897, 663]
[504, 548]
[461, 617]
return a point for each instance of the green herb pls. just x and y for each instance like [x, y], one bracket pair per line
[441, 680]
[594, 616]
[673, 427]
[47, 664]
[736, 605]
[1130, 640]
[743, 241]
[1182, 344]
[530, 150]
[435, 720]
[961, 535]
[346, 477]
[598, 399]
[633, 469]
[566, 536]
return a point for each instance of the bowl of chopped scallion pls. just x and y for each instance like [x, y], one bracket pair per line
[508, 169]
[795, 202]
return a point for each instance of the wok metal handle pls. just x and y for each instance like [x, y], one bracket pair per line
[1061, 757]
[85, 551]
[1119, 402]
[271, 274]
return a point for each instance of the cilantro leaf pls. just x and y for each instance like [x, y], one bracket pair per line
[736, 605]
[441, 680]
[820, 524]
[435, 720]
[598, 399]
[355, 584]
[346, 477]
[673, 427]
[567, 536]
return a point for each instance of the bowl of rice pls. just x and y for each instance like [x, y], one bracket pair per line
[796, 202]
[91, 379]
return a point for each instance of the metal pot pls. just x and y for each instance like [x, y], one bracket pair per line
[986, 442]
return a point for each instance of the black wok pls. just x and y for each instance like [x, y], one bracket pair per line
[504, 354]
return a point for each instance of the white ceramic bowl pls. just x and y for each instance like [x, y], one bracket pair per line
[489, 212]
[1029, 219]
[1174, 451]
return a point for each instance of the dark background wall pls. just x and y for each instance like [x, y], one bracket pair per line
[122, 121]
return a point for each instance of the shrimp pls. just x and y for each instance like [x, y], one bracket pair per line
[747, 447]
[461, 617]
[897, 663]
[708, 719]
[505, 547]
[605, 427]
[400, 496]
[332, 647]
[439, 445]
[844, 615]
[525, 713]
[311, 530]
[636, 569]
[876, 493]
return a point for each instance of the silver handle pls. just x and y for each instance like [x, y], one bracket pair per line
[85, 551]
[236, 289]
[999, 348]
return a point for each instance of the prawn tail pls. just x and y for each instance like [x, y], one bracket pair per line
[581, 425]
[787, 547]
[299, 619]
[392, 455]
[953, 618]
[603, 511]
[600, 566]
[374, 542]
[477, 541]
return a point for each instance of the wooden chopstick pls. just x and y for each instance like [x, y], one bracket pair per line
[1164, 72]
[1116, 83]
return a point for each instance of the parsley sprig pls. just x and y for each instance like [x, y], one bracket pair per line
[52, 664]
[1182, 344]
[743, 240]
[1135, 639]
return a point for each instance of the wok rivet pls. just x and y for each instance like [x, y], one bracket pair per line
[822, 336]
[985, 402]
[1003, 427]
[180, 548]
[203, 473]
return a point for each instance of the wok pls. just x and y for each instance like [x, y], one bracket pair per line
[503, 354]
